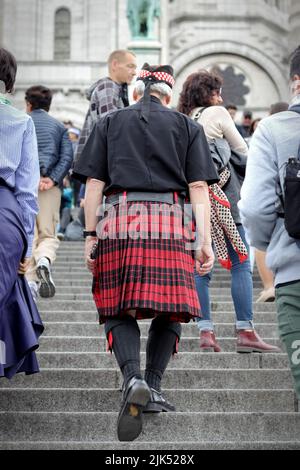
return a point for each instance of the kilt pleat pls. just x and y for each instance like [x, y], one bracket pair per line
[150, 271]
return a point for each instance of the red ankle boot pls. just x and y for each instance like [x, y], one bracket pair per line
[250, 341]
[208, 342]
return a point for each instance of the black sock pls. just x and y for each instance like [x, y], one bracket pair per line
[160, 346]
[153, 378]
[126, 345]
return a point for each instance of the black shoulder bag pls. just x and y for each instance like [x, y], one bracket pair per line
[292, 196]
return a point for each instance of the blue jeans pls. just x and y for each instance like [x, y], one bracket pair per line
[241, 290]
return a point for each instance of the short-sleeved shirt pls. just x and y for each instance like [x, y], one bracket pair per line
[167, 153]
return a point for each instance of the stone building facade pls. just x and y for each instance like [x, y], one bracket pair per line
[64, 44]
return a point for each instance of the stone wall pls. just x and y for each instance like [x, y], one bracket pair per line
[30, 36]
[252, 39]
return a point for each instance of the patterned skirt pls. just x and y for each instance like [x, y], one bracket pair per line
[144, 263]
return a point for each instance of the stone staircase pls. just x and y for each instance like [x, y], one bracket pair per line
[223, 401]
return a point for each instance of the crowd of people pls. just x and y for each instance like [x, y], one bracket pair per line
[143, 165]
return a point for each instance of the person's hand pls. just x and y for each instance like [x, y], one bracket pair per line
[89, 244]
[23, 267]
[82, 201]
[46, 184]
[204, 259]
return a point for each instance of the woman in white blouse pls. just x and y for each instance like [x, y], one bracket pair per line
[201, 99]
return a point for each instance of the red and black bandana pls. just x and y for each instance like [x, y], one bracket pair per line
[151, 74]
[157, 74]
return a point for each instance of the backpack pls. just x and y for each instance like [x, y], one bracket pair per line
[292, 196]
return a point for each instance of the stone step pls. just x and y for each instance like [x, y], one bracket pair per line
[107, 400]
[153, 445]
[53, 304]
[186, 378]
[102, 426]
[192, 360]
[269, 330]
[88, 315]
[98, 343]
[71, 244]
[69, 282]
[65, 406]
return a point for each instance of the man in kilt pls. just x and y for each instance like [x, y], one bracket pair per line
[146, 159]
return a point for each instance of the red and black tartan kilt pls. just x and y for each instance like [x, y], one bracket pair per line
[143, 264]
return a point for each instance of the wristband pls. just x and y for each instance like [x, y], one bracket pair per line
[87, 233]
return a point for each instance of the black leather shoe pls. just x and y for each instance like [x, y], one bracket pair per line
[135, 397]
[158, 403]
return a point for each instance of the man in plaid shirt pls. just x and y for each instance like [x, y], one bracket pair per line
[109, 93]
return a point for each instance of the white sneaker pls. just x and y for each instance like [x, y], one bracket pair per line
[47, 286]
[34, 290]
[60, 236]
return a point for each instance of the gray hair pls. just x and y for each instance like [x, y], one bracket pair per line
[162, 89]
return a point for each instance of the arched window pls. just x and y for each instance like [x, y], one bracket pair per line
[62, 34]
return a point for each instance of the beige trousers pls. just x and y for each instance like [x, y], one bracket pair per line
[45, 242]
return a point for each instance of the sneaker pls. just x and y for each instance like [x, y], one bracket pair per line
[34, 289]
[47, 286]
[60, 236]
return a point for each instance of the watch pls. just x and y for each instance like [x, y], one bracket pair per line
[87, 233]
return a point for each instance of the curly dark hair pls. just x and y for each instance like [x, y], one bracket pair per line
[8, 69]
[197, 90]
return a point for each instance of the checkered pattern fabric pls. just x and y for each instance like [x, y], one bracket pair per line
[150, 270]
[159, 76]
[106, 98]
